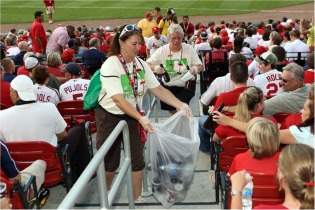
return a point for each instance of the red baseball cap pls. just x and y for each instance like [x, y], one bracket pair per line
[201, 26]
[148, 14]
[155, 29]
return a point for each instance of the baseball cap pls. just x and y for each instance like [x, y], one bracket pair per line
[30, 62]
[260, 50]
[203, 35]
[148, 14]
[155, 29]
[24, 86]
[72, 68]
[267, 57]
[170, 12]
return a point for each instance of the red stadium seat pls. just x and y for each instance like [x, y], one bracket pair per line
[265, 191]
[292, 119]
[280, 117]
[75, 109]
[24, 153]
[3, 106]
[225, 151]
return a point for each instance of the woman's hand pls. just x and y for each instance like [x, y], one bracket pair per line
[146, 124]
[158, 69]
[186, 109]
[238, 180]
[221, 119]
[210, 110]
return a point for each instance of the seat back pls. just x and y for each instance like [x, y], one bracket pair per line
[75, 109]
[24, 153]
[229, 148]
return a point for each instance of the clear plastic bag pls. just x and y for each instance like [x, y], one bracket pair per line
[173, 149]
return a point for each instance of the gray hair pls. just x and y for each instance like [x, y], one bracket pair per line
[296, 69]
[54, 59]
[175, 28]
[93, 42]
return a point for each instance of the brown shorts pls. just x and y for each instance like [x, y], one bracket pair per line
[106, 123]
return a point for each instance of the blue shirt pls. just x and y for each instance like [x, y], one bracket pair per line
[7, 163]
[8, 77]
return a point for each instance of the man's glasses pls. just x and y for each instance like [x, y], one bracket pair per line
[286, 80]
[129, 28]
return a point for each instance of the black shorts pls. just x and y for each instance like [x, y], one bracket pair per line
[106, 123]
[182, 93]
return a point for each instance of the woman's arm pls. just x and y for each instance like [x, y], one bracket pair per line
[129, 110]
[222, 119]
[215, 138]
[286, 137]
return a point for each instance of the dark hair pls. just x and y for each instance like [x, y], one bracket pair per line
[217, 43]
[237, 57]
[295, 33]
[266, 35]
[279, 52]
[249, 32]
[238, 44]
[276, 40]
[310, 120]
[40, 74]
[114, 48]
[239, 72]
[157, 9]
[38, 14]
[185, 16]
[287, 35]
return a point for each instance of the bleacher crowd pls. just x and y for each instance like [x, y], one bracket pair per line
[262, 72]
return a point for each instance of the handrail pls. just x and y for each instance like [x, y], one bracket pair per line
[97, 163]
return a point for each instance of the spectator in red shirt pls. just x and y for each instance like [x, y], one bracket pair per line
[309, 74]
[38, 34]
[5, 90]
[188, 28]
[159, 16]
[239, 76]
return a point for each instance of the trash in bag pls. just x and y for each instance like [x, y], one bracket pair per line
[173, 149]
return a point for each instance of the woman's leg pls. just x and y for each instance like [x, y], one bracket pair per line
[137, 183]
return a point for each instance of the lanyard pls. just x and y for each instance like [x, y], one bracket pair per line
[132, 81]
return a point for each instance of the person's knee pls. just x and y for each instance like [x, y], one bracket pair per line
[138, 166]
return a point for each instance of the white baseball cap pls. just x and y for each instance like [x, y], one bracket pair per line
[30, 62]
[25, 87]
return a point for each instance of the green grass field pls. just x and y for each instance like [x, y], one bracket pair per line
[15, 11]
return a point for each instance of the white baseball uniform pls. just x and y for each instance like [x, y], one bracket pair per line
[46, 94]
[153, 44]
[74, 89]
[269, 82]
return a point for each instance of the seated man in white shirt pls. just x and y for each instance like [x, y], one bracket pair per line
[76, 87]
[295, 46]
[28, 120]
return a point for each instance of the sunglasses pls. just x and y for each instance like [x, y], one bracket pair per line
[260, 58]
[286, 80]
[129, 28]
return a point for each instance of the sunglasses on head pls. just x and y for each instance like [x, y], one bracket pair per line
[129, 28]
[260, 58]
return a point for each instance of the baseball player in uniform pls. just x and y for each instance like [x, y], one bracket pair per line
[76, 87]
[50, 9]
[269, 78]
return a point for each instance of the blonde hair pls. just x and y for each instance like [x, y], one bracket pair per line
[54, 59]
[263, 137]
[247, 103]
[296, 164]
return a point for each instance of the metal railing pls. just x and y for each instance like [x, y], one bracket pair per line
[97, 164]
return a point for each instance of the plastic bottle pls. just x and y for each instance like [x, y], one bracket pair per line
[247, 194]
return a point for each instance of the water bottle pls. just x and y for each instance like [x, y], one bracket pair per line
[247, 194]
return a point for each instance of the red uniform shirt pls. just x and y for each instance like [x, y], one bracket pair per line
[5, 94]
[22, 71]
[37, 30]
[49, 3]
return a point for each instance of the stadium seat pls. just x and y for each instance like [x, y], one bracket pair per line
[265, 191]
[21, 197]
[75, 109]
[292, 119]
[225, 151]
[24, 153]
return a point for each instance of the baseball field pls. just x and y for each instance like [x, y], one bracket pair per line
[15, 11]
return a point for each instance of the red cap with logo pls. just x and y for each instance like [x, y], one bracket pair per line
[155, 29]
